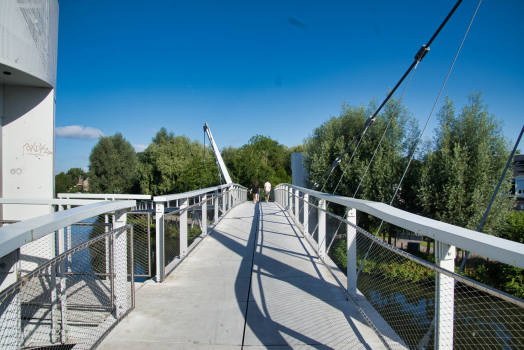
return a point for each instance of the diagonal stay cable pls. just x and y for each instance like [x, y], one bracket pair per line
[384, 134]
[423, 131]
[374, 153]
[418, 58]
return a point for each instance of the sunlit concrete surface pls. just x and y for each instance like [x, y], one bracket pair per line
[254, 282]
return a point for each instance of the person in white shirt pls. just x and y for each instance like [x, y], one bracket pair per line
[267, 190]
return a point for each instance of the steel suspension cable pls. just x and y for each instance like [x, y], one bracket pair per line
[422, 134]
[418, 58]
[384, 134]
[371, 161]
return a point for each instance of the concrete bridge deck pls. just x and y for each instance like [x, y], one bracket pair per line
[254, 282]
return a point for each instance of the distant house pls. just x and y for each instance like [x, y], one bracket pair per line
[517, 188]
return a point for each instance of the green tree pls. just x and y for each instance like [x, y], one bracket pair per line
[463, 167]
[112, 165]
[330, 139]
[62, 183]
[75, 174]
[261, 158]
[173, 164]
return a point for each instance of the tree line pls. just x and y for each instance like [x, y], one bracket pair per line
[175, 164]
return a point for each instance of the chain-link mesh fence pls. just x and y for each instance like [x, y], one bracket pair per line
[422, 304]
[142, 235]
[71, 299]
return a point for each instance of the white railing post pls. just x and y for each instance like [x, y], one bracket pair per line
[351, 216]
[204, 215]
[183, 227]
[120, 271]
[306, 214]
[159, 221]
[297, 204]
[290, 199]
[224, 200]
[444, 296]
[216, 206]
[322, 228]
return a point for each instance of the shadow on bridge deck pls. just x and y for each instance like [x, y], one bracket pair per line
[254, 282]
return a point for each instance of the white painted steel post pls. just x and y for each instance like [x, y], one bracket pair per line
[322, 229]
[444, 296]
[183, 227]
[297, 203]
[122, 302]
[204, 215]
[351, 216]
[290, 200]
[159, 221]
[306, 214]
[216, 206]
[224, 199]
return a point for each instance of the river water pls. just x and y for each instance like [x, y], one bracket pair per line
[480, 321]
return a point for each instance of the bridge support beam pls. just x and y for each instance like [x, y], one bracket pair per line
[351, 216]
[322, 228]
[159, 221]
[444, 296]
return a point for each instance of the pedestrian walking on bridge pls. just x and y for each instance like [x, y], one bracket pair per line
[255, 190]
[267, 190]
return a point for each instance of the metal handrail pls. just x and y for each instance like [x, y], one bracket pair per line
[103, 196]
[170, 197]
[50, 201]
[18, 234]
[496, 248]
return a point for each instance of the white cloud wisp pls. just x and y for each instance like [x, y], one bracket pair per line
[78, 132]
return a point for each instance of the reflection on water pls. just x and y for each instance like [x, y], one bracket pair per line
[480, 321]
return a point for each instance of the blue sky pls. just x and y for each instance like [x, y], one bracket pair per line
[276, 68]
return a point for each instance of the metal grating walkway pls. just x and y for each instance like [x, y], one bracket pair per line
[254, 263]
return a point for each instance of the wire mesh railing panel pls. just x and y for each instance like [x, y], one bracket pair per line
[313, 219]
[402, 291]
[483, 321]
[336, 244]
[61, 303]
[142, 242]
[171, 237]
[34, 254]
[301, 211]
[194, 222]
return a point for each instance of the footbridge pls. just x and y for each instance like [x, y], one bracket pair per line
[210, 269]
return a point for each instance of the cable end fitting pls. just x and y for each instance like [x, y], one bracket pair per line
[421, 53]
